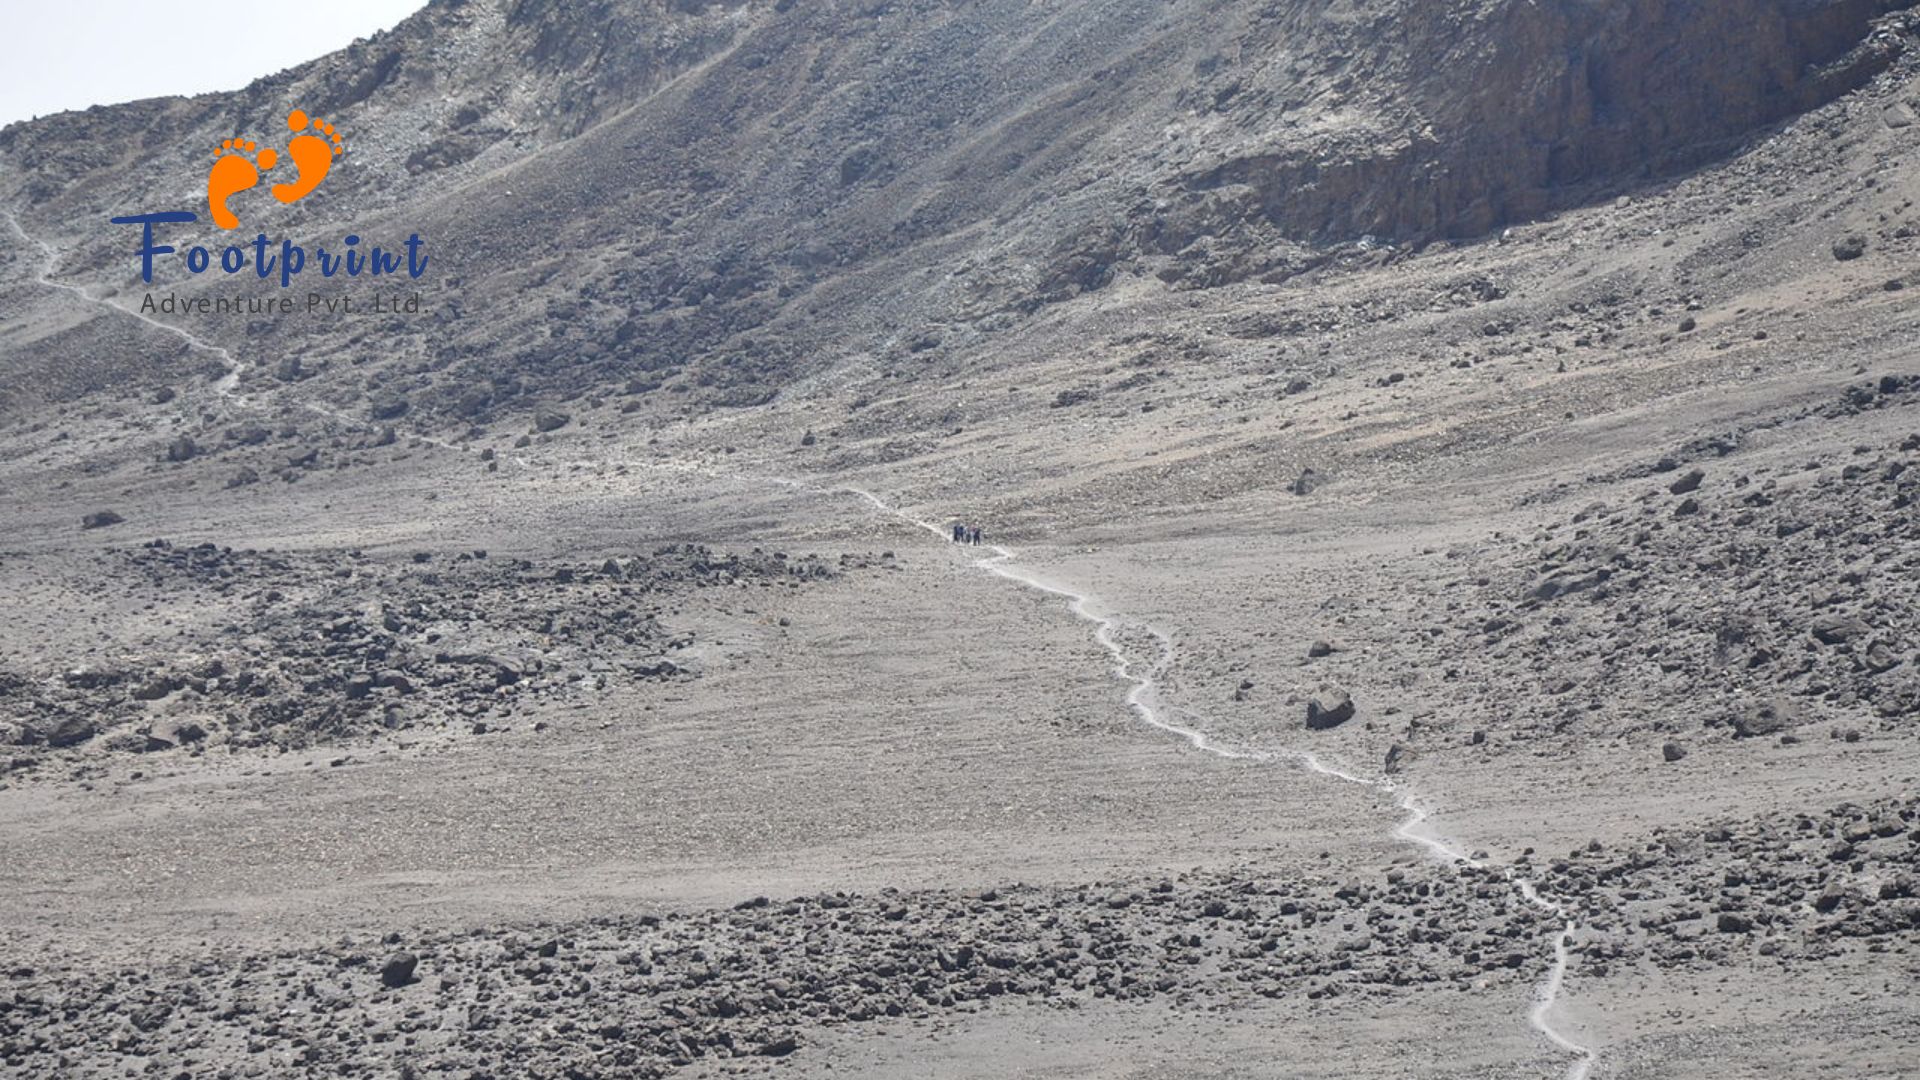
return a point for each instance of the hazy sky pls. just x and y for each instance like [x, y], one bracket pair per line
[68, 54]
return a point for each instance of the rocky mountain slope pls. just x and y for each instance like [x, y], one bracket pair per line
[701, 205]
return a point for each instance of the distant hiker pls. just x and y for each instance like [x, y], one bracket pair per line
[973, 536]
[959, 533]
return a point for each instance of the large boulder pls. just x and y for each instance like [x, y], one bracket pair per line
[473, 400]
[1329, 709]
[388, 404]
[69, 731]
[1838, 629]
[398, 970]
[167, 734]
[155, 687]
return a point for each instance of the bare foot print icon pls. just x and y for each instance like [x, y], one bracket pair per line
[232, 173]
[312, 154]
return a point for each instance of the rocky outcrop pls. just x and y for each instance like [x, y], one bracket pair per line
[1525, 107]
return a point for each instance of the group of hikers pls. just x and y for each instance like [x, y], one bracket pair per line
[966, 534]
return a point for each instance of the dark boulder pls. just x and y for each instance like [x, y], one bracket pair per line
[388, 404]
[167, 734]
[1329, 709]
[155, 688]
[69, 731]
[779, 1045]
[398, 970]
[1837, 629]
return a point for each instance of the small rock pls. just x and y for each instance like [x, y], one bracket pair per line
[100, 519]
[1673, 751]
[1398, 755]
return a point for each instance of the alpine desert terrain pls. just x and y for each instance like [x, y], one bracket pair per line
[1444, 603]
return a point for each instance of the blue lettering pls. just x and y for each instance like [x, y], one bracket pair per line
[262, 262]
[147, 248]
[292, 259]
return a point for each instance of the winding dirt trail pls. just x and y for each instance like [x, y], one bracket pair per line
[1413, 829]
[227, 386]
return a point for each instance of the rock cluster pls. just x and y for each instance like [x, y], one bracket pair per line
[328, 646]
[1798, 887]
[1766, 597]
[637, 996]
[641, 995]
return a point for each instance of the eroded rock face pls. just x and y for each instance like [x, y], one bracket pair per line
[1523, 107]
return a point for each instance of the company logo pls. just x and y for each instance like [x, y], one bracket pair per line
[313, 147]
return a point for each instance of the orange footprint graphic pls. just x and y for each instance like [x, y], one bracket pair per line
[312, 153]
[233, 173]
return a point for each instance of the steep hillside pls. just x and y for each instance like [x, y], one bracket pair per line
[699, 204]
